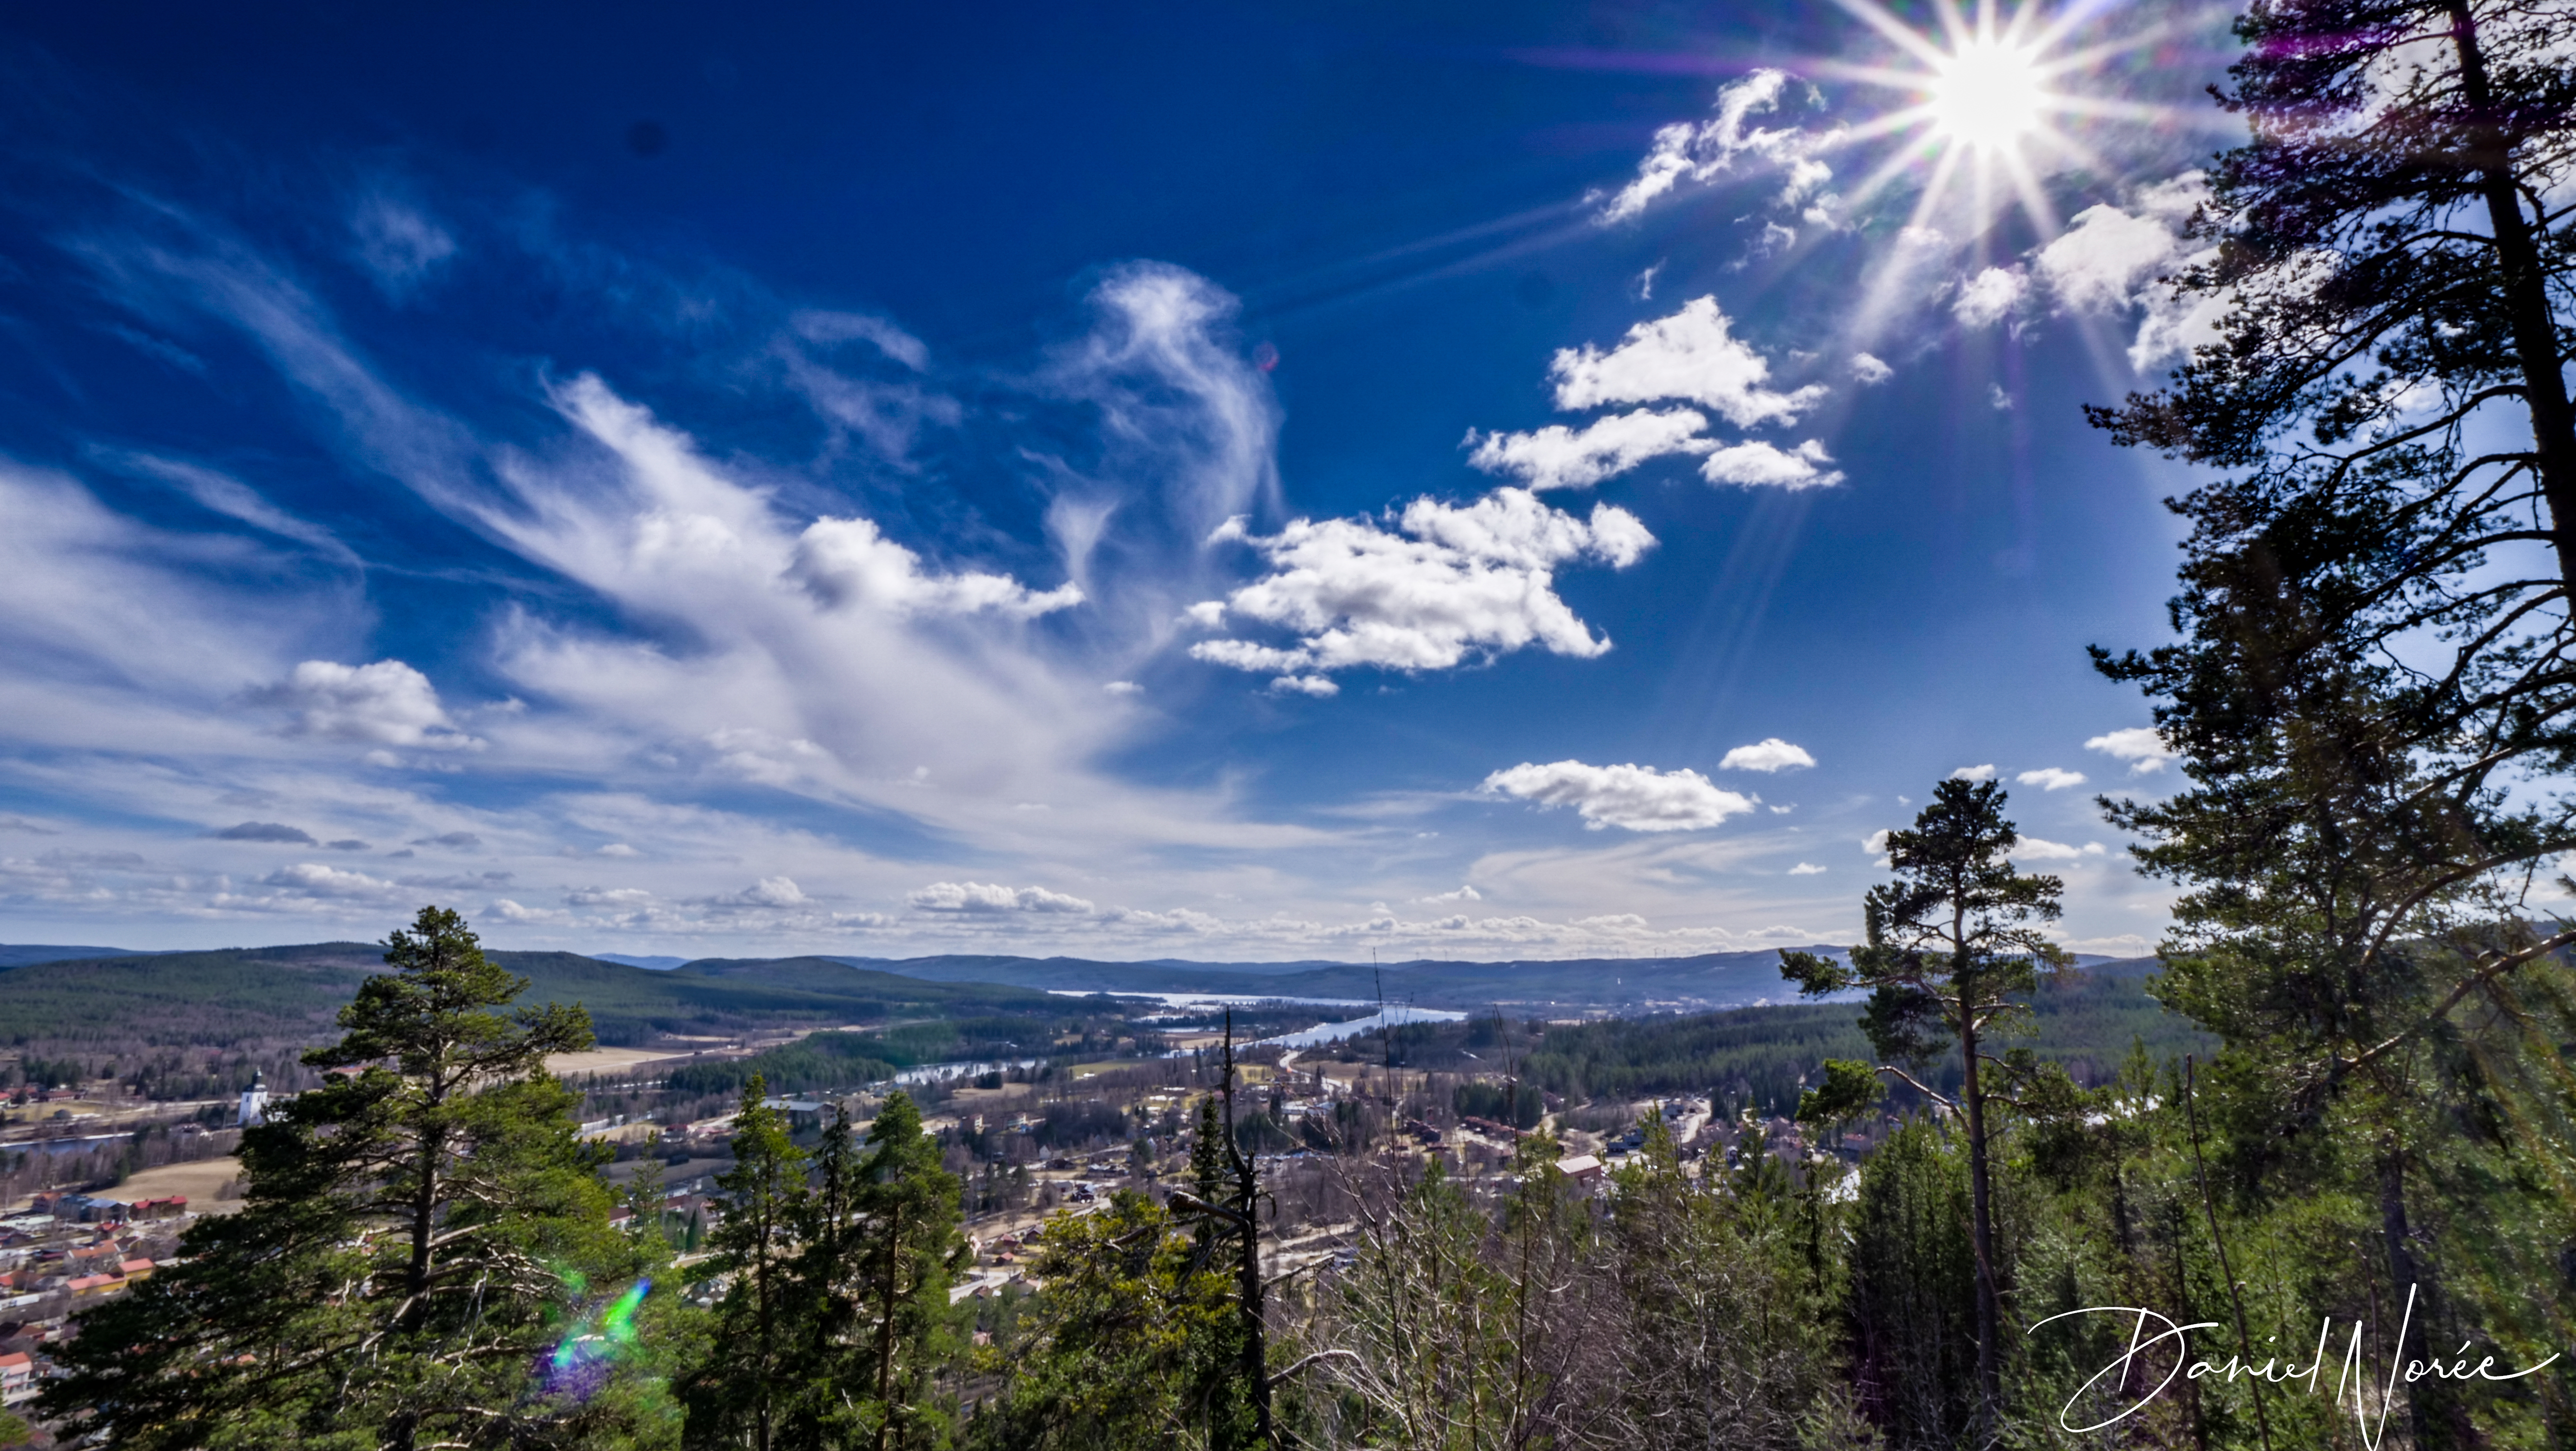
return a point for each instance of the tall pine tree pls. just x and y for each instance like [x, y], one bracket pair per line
[418, 1232]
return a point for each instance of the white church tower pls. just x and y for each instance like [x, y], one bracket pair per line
[254, 1103]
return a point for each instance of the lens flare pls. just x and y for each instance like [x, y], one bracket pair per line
[580, 1364]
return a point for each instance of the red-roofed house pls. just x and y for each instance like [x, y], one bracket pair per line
[95, 1285]
[17, 1377]
[135, 1269]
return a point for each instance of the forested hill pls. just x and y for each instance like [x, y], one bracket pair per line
[237, 995]
[1707, 980]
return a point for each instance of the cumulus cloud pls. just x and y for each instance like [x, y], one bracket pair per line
[1465, 893]
[1875, 843]
[387, 703]
[1989, 296]
[277, 831]
[1637, 798]
[1769, 755]
[2051, 778]
[1806, 869]
[1317, 686]
[2106, 255]
[1973, 773]
[1691, 356]
[986, 899]
[313, 879]
[2034, 849]
[1869, 371]
[767, 892]
[2140, 746]
[1701, 151]
[1755, 464]
[1447, 582]
[619, 849]
[1559, 457]
[849, 563]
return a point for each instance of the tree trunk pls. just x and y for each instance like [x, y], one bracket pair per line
[2527, 304]
[1981, 1231]
[2403, 1278]
[885, 1327]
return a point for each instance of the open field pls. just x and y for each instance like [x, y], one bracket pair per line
[200, 1181]
[607, 1060]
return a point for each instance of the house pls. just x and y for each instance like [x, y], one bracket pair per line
[17, 1378]
[134, 1270]
[95, 1285]
[1582, 1169]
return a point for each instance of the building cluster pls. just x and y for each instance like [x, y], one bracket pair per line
[63, 1253]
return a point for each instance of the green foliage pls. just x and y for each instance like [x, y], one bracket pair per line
[1913, 1290]
[816, 1061]
[1522, 1108]
[417, 1235]
[1848, 1089]
[1133, 1343]
[241, 995]
[1728, 1335]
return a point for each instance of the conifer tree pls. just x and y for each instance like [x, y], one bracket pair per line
[417, 1232]
[906, 1252]
[1951, 941]
[742, 1394]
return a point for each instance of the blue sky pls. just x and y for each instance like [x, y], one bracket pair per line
[1223, 482]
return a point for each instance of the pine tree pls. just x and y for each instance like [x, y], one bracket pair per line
[1131, 1345]
[417, 1233]
[741, 1394]
[908, 1251]
[1951, 942]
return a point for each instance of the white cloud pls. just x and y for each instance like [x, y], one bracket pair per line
[1973, 773]
[983, 899]
[1989, 296]
[387, 703]
[1998, 399]
[2038, 850]
[1690, 356]
[1639, 798]
[2098, 262]
[1806, 869]
[848, 563]
[2106, 256]
[1317, 686]
[1869, 371]
[619, 849]
[1123, 687]
[1755, 464]
[2140, 746]
[1558, 457]
[833, 328]
[1455, 580]
[2051, 778]
[1769, 755]
[1875, 843]
[313, 879]
[2176, 322]
[1465, 893]
[1702, 151]
[399, 245]
[767, 892]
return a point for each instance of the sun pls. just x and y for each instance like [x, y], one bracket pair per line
[1988, 94]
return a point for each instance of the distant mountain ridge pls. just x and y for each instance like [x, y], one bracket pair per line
[1705, 980]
